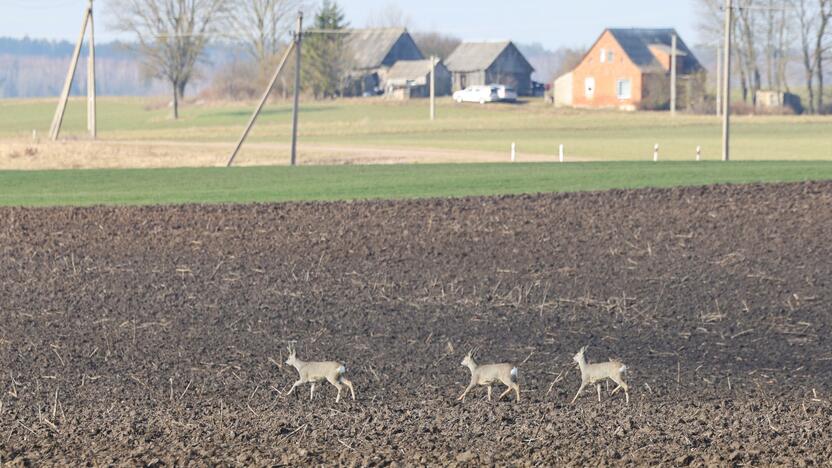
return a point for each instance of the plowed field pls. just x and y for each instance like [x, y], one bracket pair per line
[157, 335]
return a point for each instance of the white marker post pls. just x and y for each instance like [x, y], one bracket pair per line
[513, 152]
[656, 153]
[698, 153]
[560, 152]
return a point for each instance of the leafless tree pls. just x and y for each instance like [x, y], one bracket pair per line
[265, 26]
[389, 16]
[813, 18]
[171, 35]
[436, 44]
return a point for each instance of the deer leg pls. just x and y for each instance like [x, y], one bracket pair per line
[467, 389]
[621, 385]
[349, 385]
[579, 393]
[505, 392]
[336, 384]
[517, 391]
[489, 393]
[293, 387]
[598, 388]
[312, 392]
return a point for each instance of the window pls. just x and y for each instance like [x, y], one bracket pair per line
[610, 56]
[623, 89]
[603, 55]
[589, 87]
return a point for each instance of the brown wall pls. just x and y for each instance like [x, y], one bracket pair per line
[606, 75]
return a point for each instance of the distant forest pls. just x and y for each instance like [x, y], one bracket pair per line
[37, 68]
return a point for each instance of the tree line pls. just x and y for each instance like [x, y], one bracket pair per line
[770, 35]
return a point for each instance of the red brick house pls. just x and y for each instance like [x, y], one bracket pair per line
[630, 69]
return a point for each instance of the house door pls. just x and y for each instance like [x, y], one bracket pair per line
[463, 81]
[589, 87]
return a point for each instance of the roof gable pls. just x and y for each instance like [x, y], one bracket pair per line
[637, 43]
[474, 56]
[371, 48]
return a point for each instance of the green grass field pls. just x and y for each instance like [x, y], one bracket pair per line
[535, 127]
[274, 184]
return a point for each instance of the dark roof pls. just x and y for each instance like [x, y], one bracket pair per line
[636, 43]
[475, 56]
[371, 46]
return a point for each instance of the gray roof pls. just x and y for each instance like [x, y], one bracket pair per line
[409, 70]
[636, 43]
[474, 56]
[370, 46]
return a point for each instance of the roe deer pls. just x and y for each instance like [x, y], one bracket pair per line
[595, 373]
[489, 374]
[313, 372]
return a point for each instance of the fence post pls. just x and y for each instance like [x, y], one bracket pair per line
[560, 152]
[656, 153]
[513, 152]
[698, 153]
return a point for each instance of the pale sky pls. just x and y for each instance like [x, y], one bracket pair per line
[553, 23]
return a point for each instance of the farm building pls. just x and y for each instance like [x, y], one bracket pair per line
[373, 53]
[481, 63]
[411, 78]
[630, 69]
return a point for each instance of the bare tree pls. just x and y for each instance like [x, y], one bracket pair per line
[436, 44]
[813, 18]
[747, 39]
[389, 16]
[264, 25]
[822, 46]
[171, 35]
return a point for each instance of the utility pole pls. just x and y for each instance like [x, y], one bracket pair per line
[92, 125]
[726, 84]
[673, 75]
[260, 105]
[718, 80]
[58, 118]
[432, 87]
[298, 39]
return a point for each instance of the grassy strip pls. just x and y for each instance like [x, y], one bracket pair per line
[276, 184]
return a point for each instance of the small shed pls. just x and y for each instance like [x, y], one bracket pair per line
[484, 63]
[778, 100]
[411, 79]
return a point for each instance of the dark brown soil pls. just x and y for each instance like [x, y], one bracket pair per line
[157, 335]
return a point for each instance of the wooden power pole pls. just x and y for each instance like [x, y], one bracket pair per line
[296, 99]
[718, 80]
[260, 105]
[726, 83]
[673, 75]
[432, 87]
[57, 120]
[92, 124]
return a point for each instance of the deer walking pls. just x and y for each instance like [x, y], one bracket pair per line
[489, 374]
[595, 373]
[314, 372]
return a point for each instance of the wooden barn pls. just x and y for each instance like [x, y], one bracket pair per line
[411, 79]
[483, 63]
[372, 53]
